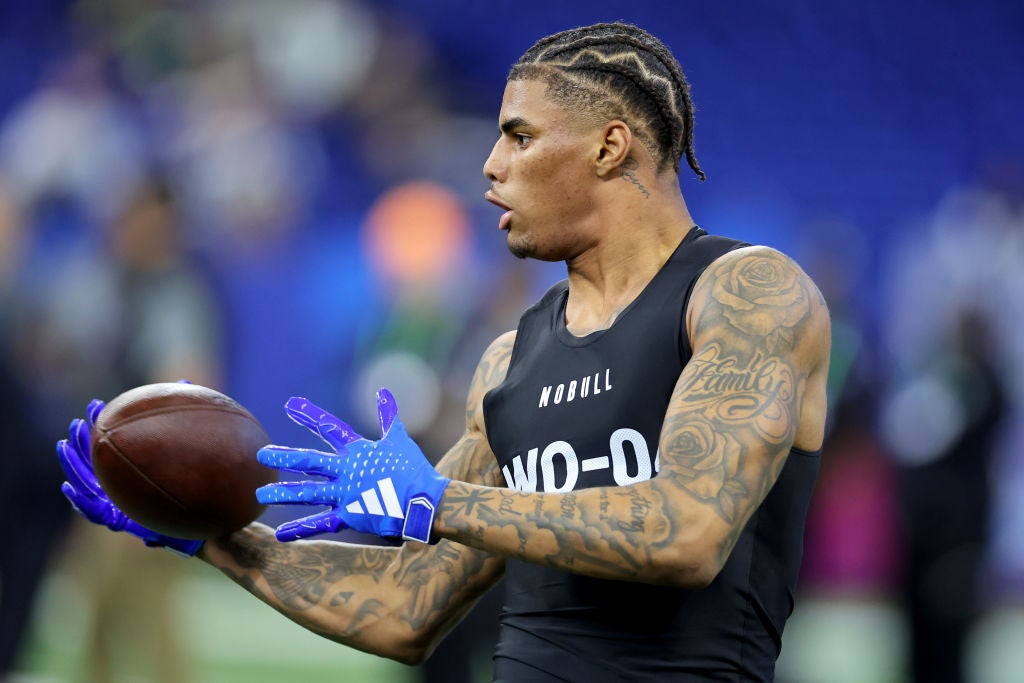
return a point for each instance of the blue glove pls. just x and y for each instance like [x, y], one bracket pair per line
[384, 487]
[87, 496]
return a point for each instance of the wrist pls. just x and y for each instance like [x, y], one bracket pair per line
[421, 511]
[181, 546]
[185, 547]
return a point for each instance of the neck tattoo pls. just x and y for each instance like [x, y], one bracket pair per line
[628, 168]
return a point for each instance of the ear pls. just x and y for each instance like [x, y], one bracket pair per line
[616, 141]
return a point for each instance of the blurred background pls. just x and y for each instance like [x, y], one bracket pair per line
[280, 197]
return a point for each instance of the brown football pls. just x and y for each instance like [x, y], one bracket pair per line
[181, 459]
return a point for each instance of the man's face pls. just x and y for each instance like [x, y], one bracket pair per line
[541, 172]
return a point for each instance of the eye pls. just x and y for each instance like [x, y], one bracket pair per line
[521, 140]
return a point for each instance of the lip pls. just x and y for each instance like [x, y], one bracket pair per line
[496, 200]
[506, 218]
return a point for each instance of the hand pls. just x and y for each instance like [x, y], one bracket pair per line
[383, 487]
[87, 496]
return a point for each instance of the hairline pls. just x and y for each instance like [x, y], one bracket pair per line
[552, 77]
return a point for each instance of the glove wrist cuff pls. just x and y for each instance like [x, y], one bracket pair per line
[181, 546]
[419, 516]
[185, 547]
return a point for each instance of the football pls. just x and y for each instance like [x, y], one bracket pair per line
[181, 459]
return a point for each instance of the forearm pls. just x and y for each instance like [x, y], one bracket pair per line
[392, 602]
[332, 589]
[633, 533]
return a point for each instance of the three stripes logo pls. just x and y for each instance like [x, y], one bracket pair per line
[383, 501]
[384, 504]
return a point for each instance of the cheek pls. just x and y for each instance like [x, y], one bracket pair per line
[558, 186]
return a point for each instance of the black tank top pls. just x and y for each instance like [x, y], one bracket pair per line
[577, 412]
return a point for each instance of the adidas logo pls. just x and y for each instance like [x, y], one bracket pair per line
[385, 504]
[421, 511]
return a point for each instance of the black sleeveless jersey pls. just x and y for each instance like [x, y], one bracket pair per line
[577, 412]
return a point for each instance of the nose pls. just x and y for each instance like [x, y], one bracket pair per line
[494, 168]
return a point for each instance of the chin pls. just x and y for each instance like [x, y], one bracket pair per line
[524, 247]
[521, 248]
[520, 253]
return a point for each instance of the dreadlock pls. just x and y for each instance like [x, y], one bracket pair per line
[619, 71]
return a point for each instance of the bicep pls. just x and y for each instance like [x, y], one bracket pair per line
[471, 459]
[756, 327]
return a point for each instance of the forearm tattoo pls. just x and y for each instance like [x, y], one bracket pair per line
[296, 578]
[339, 590]
[579, 531]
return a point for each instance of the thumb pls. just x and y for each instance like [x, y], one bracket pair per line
[387, 411]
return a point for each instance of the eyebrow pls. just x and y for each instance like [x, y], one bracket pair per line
[511, 124]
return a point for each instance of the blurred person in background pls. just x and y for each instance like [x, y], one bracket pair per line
[953, 340]
[946, 503]
[851, 551]
[165, 327]
[32, 521]
[716, 351]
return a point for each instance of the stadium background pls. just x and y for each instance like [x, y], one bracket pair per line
[325, 157]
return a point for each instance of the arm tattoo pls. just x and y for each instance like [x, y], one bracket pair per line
[339, 590]
[356, 582]
[494, 364]
[296, 578]
[566, 530]
[735, 408]
[629, 167]
[731, 421]
[298, 574]
[465, 502]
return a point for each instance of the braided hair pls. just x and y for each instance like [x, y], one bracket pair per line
[619, 71]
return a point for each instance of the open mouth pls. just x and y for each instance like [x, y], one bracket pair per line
[505, 217]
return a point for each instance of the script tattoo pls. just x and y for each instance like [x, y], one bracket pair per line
[629, 167]
[583, 545]
[735, 407]
[759, 395]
